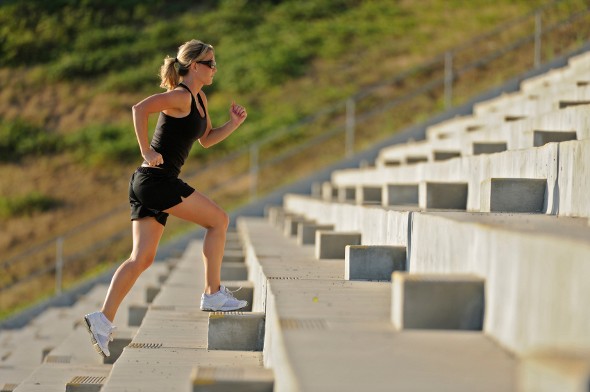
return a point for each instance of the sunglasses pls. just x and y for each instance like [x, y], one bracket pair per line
[209, 63]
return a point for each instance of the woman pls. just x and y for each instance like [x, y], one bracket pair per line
[155, 191]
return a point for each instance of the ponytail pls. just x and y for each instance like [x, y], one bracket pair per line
[176, 67]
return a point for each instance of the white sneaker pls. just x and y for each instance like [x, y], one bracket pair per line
[223, 301]
[101, 332]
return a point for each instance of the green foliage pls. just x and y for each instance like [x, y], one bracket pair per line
[19, 139]
[25, 205]
[104, 145]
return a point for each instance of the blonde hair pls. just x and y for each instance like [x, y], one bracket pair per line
[174, 68]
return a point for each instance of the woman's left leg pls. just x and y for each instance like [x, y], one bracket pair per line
[199, 209]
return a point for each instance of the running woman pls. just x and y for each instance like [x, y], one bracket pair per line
[155, 191]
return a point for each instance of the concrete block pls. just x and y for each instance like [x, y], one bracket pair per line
[122, 339]
[332, 244]
[373, 262]
[242, 290]
[444, 155]
[236, 331]
[234, 271]
[329, 192]
[566, 103]
[276, 215]
[540, 138]
[400, 195]
[151, 292]
[306, 232]
[316, 189]
[416, 159]
[291, 224]
[510, 118]
[347, 194]
[232, 379]
[443, 195]
[368, 194]
[136, 314]
[391, 162]
[437, 301]
[489, 148]
[85, 384]
[514, 195]
[233, 256]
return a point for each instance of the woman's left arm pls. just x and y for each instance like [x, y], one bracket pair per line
[213, 136]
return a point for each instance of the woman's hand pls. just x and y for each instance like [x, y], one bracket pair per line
[237, 114]
[153, 158]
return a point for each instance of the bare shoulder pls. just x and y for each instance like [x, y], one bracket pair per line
[203, 96]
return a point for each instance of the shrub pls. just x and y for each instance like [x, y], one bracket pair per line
[26, 205]
[104, 145]
[19, 139]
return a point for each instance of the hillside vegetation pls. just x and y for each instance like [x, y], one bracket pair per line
[70, 70]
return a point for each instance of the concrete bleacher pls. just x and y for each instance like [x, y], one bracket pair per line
[457, 263]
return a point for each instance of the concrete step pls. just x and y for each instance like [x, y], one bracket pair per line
[240, 331]
[337, 335]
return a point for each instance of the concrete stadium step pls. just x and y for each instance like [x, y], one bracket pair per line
[567, 187]
[173, 336]
[516, 135]
[528, 248]
[336, 335]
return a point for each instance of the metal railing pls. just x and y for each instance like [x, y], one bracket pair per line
[437, 84]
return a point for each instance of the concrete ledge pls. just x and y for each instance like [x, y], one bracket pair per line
[443, 195]
[444, 155]
[332, 245]
[236, 331]
[368, 194]
[136, 314]
[488, 148]
[234, 379]
[514, 195]
[234, 271]
[540, 138]
[306, 232]
[373, 262]
[85, 384]
[400, 195]
[437, 301]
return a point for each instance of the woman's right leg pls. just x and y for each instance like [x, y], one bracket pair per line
[146, 236]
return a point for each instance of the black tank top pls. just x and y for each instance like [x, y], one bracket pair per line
[174, 136]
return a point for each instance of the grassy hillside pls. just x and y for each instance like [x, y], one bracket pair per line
[70, 70]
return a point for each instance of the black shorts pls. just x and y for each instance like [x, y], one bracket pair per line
[151, 191]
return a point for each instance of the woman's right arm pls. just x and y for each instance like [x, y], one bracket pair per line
[175, 99]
